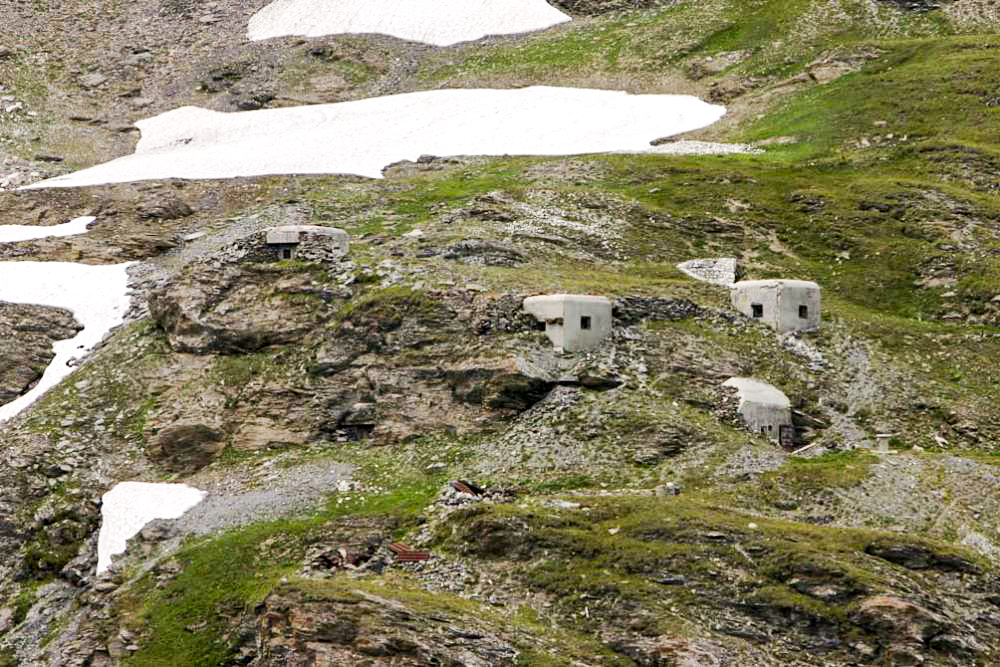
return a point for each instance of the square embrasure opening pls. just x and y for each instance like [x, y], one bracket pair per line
[585, 322]
[757, 309]
[804, 312]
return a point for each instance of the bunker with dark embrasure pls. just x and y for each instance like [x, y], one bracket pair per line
[573, 322]
[765, 409]
[783, 305]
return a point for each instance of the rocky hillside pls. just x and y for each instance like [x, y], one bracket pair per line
[399, 467]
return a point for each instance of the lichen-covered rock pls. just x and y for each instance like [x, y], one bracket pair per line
[484, 253]
[920, 557]
[254, 434]
[26, 336]
[904, 627]
[595, 7]
[332, 625]
[238, 308]
[186, 448]
[164, 207]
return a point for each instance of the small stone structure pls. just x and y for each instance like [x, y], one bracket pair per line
[307, 242]
[883, 440]
[719, 271]
[765, 409]
[783, 305]
[573, 322]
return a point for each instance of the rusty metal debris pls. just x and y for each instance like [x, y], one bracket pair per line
[344, 557]
[407, 554]
[462, 486]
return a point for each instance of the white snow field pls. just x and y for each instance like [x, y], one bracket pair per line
[365, 136]
[96, 295]
[129, 506]
[14, 233]
[437, 22]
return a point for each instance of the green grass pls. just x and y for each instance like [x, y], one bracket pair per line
[804, 476]
[375, 605]
[387, 308]
[863, 222]
[617, 548]
[565, 483]
[637, 49]
[934, 90]
[223, 578]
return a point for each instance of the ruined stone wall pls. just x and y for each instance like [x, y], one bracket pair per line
[719, 271]
[254, 249]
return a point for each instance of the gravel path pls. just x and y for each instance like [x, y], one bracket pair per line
[269, 491]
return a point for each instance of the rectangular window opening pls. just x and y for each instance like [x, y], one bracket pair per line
[585, 322]
[757, 310]
[804, 312]
[286, 253]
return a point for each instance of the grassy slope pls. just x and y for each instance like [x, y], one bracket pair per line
[815, 197]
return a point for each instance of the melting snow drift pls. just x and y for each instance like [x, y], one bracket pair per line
[96, 295]
[438, 22]
[129, 506]
[14, 233]
[365, 136]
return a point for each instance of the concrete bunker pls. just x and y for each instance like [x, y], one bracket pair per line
[308, 242]
[573, 322]
[765, 409]
[783, 305]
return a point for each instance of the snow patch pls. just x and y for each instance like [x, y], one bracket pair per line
[129, 506]
[96, 295]
[703, 148]
[15, 233]
[437, 22]
[365, 136]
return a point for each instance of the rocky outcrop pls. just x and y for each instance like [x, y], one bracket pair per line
[232, 309]
[164, 208]
[918, 5]
[26, 336]
[509, 386]
[596, 7]
[920, 557]
[185, 448]
[335, 625]
[907, 627]
[484, 253]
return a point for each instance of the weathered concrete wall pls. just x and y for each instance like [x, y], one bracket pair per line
[719, 271]
[564, 315]
[764, 407]
[780, 302]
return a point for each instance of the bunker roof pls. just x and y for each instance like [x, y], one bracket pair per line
[804, 284]
[755, 391]
[567, 297]
[290, 233]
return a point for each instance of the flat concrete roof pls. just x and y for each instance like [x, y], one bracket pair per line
[312, 229]
[290, 234]
[567, 297]
[775, 283]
